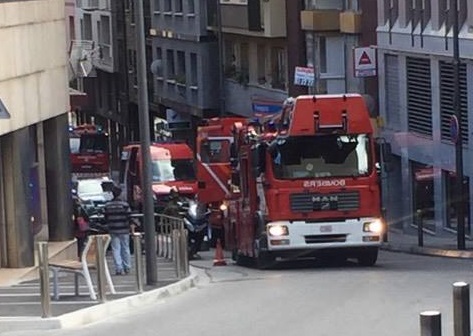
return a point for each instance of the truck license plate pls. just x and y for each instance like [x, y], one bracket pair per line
[326, 228]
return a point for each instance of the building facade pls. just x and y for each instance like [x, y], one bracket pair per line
[333, 29]
[416, 83]
[35, 201]
[255, 54]
[185, 67]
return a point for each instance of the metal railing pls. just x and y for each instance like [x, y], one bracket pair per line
[172, 242]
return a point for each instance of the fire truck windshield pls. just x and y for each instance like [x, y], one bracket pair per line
[88, 143]
[166, 170]
[302, 157]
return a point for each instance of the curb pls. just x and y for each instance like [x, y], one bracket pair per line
[99, 312]
[428, 251]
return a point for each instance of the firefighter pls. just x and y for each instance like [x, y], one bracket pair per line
[173, 208]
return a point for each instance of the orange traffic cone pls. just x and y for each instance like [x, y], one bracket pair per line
[219, 260]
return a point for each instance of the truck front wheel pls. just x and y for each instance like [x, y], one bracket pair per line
[368, 257]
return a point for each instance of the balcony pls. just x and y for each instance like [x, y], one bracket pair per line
[350, 22]
[251, 18]
[320, 20]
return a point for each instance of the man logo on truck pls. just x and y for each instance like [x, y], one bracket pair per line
[330, 183]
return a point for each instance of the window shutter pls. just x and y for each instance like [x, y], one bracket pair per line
[393, 117]
[419, 96]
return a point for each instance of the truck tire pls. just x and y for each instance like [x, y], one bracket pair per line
[368, 257]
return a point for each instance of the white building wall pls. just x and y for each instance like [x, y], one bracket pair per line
[33, 62]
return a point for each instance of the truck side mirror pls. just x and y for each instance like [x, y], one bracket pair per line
[386, 151]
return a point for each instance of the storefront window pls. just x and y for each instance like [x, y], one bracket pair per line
[423, 188]
[452, 197]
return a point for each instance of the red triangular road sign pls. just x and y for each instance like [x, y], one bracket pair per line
[364, 59]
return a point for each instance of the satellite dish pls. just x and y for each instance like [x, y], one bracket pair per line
[157, 67]
[81, 58]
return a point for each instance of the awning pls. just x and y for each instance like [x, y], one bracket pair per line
[77, 98]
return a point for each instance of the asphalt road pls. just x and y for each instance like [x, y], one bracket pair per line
[300, 299]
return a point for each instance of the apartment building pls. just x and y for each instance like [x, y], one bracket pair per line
[255, 53]
[415, 50]
[35, 201]
[333, 29]
[185, 67]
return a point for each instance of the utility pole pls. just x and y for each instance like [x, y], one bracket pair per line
[221, 68]
[459, 201]
[147, 181]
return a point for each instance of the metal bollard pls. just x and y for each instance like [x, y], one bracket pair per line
[185, 254]
[100, 262]
[461, 309]
[177, 253]
[138, 262]
[44, 278]
[420, 228]
[430, 323]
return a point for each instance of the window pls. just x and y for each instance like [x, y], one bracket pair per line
[194, 69]
[215, 151]
[419, 96]
[132, 11]
[393, 116]
[157, 5]
[261, 51]
[181, 67]
[159, 58]
[423, 189]
[307, 157]
[278, 73]
[168, 5]
[178, 8]
[230, 58]
[72, 29]
[190, 6]
[244, 62]
[172, 170]
[446, 99]
[87, 33]
[452, 197]
[171, 69]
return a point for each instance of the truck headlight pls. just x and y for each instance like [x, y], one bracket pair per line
[223, 207]
[278, 230]
[375, 226]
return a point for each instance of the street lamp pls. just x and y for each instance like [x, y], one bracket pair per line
[459, 138]
[147, 181]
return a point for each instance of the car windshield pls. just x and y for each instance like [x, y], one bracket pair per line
[89, 187]
[321, 156]
[165, 170]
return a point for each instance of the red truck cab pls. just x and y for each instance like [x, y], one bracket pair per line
[172, 166]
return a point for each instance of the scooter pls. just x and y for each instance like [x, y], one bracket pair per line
[196, 220]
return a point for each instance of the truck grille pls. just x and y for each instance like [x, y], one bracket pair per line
[319, 239]
[325, 202]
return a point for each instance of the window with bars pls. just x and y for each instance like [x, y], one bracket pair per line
[419, 96]
[446, 99]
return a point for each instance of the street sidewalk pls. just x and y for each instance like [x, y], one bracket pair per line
[442, 244]
[20, 305]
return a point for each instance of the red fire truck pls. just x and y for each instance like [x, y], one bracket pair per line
[310, 190]
[214, 139]
[89, 150]
[172, 166]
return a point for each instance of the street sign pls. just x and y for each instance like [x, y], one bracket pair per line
[3, 111]
[454, 126]
[304, 76]
[365, 62]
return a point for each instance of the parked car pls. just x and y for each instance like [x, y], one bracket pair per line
[94, 193]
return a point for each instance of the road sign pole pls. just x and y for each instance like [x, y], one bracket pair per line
[459, 201]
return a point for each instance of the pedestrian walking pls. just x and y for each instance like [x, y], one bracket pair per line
[117, 218]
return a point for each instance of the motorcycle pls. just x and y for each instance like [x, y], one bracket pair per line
[196, 220]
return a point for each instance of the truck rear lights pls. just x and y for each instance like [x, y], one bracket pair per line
[279, 242]
[278, 230]
[375, 226]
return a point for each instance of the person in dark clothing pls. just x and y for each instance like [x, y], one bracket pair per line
[81, 224]
[117, 217]
[172, 208]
